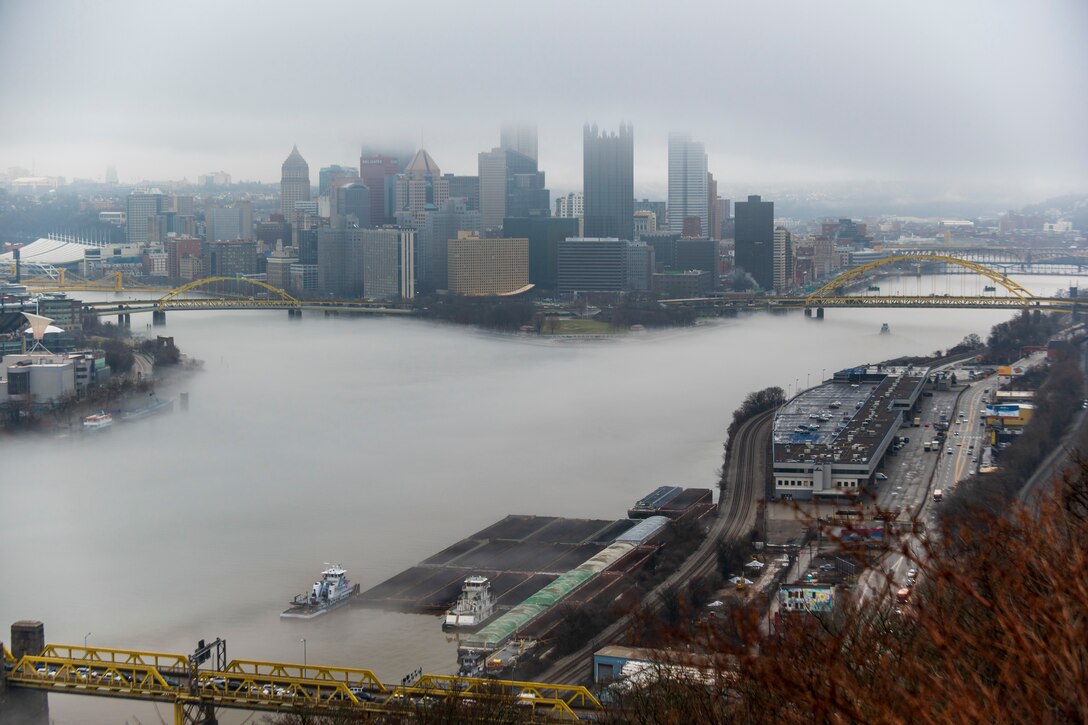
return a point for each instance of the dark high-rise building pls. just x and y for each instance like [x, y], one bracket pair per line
[593, 265]
[664, 244]
[697, 254]
[608, 182]
[465, 187]
[353, 204]
[525, 191]
[754, 234]
[544, 234]
[379, 173]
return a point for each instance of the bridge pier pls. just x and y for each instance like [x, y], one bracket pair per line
[124, 320]
[158, 318]
[294, 313]
[819, 313]
[23, 705]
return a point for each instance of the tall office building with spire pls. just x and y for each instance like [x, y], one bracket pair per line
[608, 182]
[294, 184]
[687, 185]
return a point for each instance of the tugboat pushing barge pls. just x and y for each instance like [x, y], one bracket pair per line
[333, 590]
[472, 607]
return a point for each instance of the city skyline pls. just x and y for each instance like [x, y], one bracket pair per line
[966, 97]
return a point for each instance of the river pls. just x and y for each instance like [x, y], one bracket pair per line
[375, 442]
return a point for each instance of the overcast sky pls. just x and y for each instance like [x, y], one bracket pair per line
[963, 94]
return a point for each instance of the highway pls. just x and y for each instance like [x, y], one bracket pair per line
[735, 516]
[957, 458]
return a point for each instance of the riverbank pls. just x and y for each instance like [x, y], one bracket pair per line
[147, 388]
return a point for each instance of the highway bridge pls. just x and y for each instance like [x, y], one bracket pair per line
[835, 293]
[276, 687]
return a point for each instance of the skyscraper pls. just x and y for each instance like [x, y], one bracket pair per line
[754, 234]
[544, 234]
[432, 241]
[687, 182]
[783, 259]
[353, 203]
[379, 173]
[520, 137]
[713, 209]
[140, 209]
[608, 182]
[492, 170]
[420, 189]
[294, 184]
[510, 186]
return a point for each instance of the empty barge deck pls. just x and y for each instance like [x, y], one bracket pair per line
[519, 554]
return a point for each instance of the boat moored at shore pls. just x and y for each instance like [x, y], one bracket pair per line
[98, 422]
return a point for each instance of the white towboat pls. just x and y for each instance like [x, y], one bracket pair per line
[473, 606]
[333, 590]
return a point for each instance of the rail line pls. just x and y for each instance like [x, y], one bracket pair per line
[744, 480]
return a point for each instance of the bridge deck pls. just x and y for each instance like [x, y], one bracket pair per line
[273, 686]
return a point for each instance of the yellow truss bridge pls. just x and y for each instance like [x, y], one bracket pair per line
[275, 686]
[830, 294]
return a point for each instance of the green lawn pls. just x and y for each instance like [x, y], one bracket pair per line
[578, 327]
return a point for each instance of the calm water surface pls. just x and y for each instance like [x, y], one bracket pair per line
[375, 443]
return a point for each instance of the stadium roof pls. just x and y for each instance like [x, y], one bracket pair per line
[48, 251]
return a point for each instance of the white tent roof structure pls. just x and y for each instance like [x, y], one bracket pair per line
[47, 251]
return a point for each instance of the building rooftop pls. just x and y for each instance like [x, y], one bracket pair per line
[845, 420]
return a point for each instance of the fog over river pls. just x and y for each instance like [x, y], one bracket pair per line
[376, 442]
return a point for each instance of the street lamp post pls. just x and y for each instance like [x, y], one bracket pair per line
[303, 640]
[85, 640]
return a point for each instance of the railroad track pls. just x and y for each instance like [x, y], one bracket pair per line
[737, 507]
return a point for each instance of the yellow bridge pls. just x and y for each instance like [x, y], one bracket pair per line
[277, 686]
[265, 296]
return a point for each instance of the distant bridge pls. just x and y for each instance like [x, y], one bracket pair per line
[830, 294]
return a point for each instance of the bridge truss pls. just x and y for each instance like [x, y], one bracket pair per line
[274, 686]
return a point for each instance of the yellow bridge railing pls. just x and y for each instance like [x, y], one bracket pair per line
[279, 686]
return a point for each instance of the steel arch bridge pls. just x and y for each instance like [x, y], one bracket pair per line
[172, 299]
[828, 290]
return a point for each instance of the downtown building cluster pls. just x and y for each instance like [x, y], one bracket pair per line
[394, 226]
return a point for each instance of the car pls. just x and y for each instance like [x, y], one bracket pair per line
[361, 694]
[911, 582]
[949, 451]
[827, 567]
[925, 425]
[881, 476]
[956, 434]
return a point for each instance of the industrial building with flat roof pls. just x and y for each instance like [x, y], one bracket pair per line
[830, 440]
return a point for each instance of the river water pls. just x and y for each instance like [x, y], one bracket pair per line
[375, 442]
